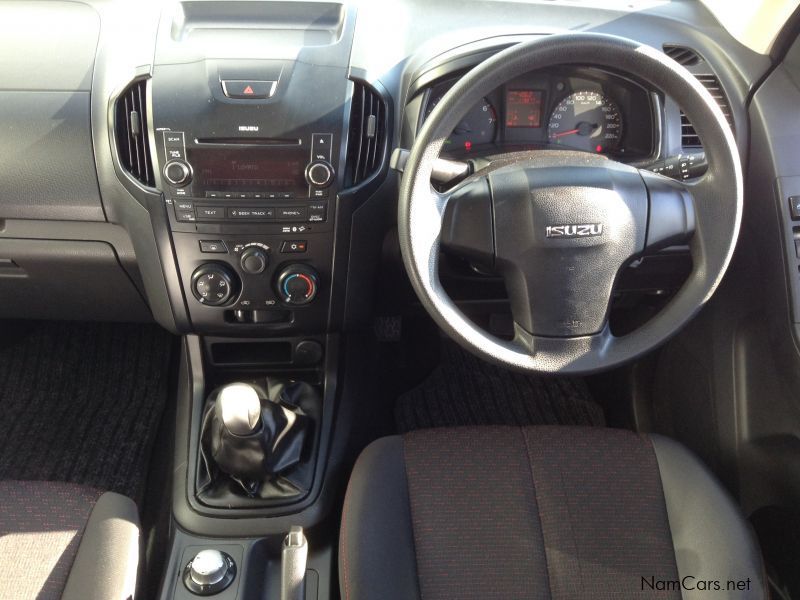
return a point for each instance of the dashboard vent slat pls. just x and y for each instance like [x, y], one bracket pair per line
[130, 125]
[682, 55]
[689, 137]
[366, 144]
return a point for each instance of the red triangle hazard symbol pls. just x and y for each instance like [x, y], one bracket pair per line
[248, 90]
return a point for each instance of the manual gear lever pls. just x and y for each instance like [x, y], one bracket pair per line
[251, 437]
[239, 408]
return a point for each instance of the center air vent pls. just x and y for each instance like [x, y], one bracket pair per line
[689, 137]
[366, 144]
[131, 131]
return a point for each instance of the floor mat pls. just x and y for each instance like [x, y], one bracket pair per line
[81, 402]
[464, 390]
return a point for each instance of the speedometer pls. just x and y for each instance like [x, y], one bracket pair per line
[586, 120]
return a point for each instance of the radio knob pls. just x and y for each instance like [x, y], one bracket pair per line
[298, 284]
[178, 173]
[319, 174]
[254, 260]
[214, 284]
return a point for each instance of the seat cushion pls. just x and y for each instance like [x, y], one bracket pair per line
[62, 540]
[539, 512]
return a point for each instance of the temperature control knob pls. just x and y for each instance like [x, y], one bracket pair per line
[214, 284]
[178, 173]
[254, 259]
[319, 174]
[298, 284]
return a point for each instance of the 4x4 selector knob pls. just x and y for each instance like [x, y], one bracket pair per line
[178, 172]
[319, 174]
[254, 259]
[297, 284]
[214, 284]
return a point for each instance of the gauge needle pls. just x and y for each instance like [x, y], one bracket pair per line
[563, 133]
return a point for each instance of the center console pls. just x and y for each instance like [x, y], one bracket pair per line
[238, 142]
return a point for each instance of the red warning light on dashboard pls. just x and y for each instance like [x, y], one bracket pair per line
[523, 108]
[248, 90]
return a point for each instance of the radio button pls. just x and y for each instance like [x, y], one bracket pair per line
[317, 213]
[210, 213]
[319, 174]
[184, 205]
[178, 173]
[319, 193]
[299, 213]
[259, 195]
[254, 214]
[213, 194]
[185, 215]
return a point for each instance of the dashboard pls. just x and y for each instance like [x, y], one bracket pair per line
[578, 108]
[179, 145]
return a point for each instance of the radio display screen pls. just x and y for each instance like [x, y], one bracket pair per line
[250, 169]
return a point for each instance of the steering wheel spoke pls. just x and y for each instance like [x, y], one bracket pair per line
[671, 214]
[467, 222]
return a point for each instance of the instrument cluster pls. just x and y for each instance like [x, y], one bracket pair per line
[577, 108]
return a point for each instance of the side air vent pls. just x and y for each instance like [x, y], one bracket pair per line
[682, 55]
[366, 144]
[689, 137]
[131, 131]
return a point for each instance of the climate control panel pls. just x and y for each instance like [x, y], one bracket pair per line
[238, 282]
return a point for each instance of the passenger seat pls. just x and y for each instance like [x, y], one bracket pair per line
[63, 540]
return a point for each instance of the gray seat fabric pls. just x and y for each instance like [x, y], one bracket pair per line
[62, 540]
[483, 513]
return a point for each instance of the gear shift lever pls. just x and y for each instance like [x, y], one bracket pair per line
[239, 408]
[251, 437]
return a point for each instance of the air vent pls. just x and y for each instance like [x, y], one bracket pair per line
[131, 131]
[682, 55]
[689, 137]
[366, 145]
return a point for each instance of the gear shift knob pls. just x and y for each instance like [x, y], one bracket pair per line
[239, 408]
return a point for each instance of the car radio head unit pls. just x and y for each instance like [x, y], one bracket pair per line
[250, 169]
[248, 179]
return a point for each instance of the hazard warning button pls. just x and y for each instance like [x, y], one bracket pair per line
[248, 90]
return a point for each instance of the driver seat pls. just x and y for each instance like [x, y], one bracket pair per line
[541, 512]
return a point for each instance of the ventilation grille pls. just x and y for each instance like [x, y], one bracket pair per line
[366, 145]
[689, 137]
[682, 55]
[131, 131]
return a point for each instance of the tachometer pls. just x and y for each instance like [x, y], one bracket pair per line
[479, 126]
[586, 120]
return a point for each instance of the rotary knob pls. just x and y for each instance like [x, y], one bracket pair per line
[209, 572]
[254, 259]
[298, 284]
[214, 284]
[178, 173]
[319, 174]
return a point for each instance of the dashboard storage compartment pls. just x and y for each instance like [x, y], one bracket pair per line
[49, 279]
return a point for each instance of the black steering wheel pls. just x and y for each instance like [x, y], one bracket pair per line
[560, 226]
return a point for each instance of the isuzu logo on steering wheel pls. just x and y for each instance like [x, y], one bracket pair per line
[574, 231]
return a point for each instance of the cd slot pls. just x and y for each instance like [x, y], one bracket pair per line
[249, 141]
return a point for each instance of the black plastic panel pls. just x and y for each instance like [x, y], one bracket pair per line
[59, 279]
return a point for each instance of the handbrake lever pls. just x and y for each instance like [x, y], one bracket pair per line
[293, 565]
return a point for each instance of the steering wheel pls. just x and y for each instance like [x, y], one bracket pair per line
[559, 226]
